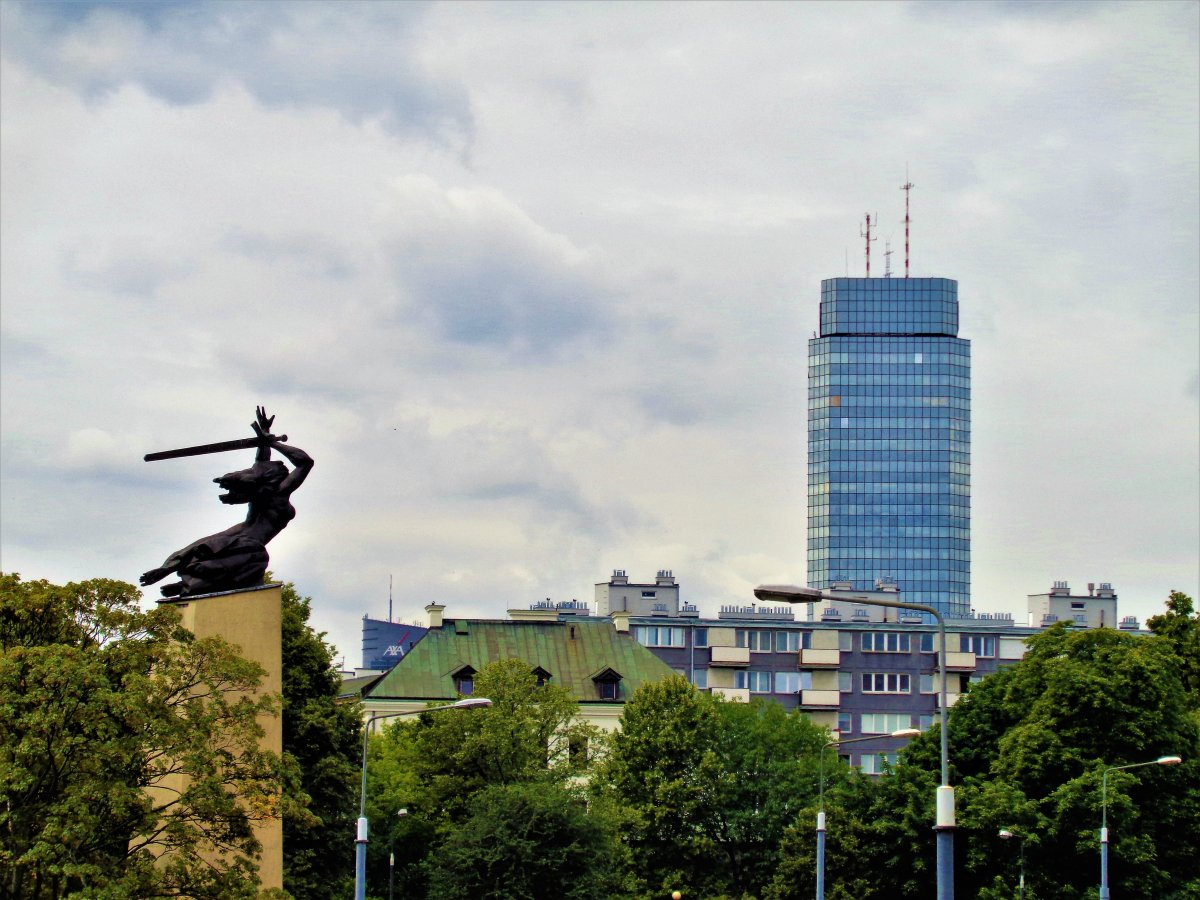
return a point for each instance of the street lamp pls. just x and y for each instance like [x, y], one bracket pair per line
[944, 821]
[400, 814]
[902, 733]
[360, 839]
[1161, 761]
[1008, 836]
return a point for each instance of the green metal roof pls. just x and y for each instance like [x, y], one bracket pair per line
[571, 651]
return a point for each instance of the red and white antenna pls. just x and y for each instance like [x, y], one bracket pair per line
[867, 235]
[907, 188]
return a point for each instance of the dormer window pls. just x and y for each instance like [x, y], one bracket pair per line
[464, 680]
[543, 677]
[608, 684]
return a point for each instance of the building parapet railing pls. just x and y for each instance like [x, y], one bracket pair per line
[781, 613]
[690, 611]
[579, 605]
[1129, 623]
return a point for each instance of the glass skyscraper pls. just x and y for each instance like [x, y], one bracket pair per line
[889, 440]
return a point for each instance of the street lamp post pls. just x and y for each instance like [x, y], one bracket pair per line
[360, 838]
[1008, 835]
[902, 733]
[400, 814]
[1161, 761]
[944, 822]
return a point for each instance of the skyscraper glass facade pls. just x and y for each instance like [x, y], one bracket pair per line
[889, 440]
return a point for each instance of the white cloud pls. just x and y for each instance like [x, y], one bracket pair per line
[533, 282]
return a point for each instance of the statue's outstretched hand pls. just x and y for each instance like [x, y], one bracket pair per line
[154, 575]
[263, 424]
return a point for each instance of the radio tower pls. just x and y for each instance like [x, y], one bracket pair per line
[867, 235]
[887, 259]
[907, 188]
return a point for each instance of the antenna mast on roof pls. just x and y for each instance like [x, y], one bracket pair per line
[867, 235]
[907, 188]
[389, 598]
[887, 259]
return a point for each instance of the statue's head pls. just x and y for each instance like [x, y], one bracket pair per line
[261, 479]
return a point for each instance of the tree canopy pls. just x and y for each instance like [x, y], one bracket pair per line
[465, 776]
[100, 702]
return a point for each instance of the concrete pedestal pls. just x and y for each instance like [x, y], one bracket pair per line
[252, 619]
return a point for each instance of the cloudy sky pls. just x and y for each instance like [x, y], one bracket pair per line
[533, 282]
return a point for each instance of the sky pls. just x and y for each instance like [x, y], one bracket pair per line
[533, 283]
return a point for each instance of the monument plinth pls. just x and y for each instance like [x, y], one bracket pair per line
[252, 619]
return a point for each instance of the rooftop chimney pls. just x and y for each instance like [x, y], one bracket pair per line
[435, 611]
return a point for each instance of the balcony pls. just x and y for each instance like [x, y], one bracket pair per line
[959, 662]
[742, 694]
[730, 656]
[820, 699]
[820, 659]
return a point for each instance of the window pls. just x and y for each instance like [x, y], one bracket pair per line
[886, 683]
[700, 637]
[464, 681]
[792, 682]
[927, 684]
[577, 752]
[649, 593]
[925, 722]
[979, 644]
[756, 641]
[884, 723]
[1078, 604]
[755, 681]
[658, 636]
[886, 642]
[845, 723]
[927, 645]
[542, 676]
[845, 641]
[792, 641]
[700, 678]
[876, 763]
[608, 683]
[845, 682]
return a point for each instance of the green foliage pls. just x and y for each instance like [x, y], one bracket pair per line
[1180, 625]
[1029, 745]
[525, 841]
[321, 740]
[101, 701]
[709, 787]
[460, 773]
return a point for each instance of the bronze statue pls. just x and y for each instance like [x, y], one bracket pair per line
[237, 557]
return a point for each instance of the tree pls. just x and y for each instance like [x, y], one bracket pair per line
[322, 738]
[1181, 626]
[663, 769]
[526, 840]
[1029, 745]
[709, 787]
[103, 705]
[435, 766]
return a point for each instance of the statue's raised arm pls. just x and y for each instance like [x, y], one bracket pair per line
[237, 558]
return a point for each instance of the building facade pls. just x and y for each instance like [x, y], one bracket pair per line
[384, 642]
[862, 671]
[889, 446]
